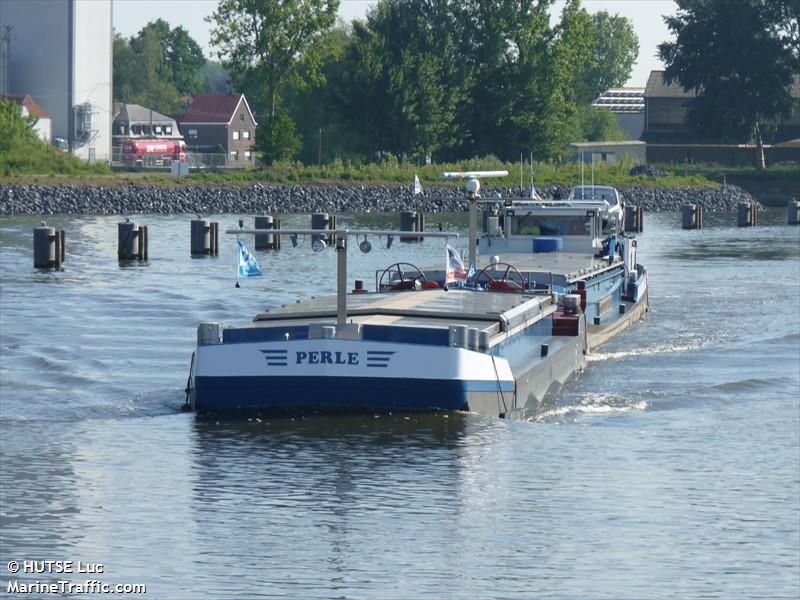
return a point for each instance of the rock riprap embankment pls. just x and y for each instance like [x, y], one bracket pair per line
[301, 199]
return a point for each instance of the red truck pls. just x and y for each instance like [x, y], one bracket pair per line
[152, 152]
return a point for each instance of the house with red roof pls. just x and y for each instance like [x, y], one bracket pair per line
[218, 123]
[29, 107]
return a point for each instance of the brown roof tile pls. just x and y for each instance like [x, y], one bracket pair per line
[212, 108]
[31, 104]
[657, 87]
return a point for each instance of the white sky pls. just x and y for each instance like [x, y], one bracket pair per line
[131, 15]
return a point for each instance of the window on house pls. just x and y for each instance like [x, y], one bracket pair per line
[248, 155]
[241, 117]
[235, 135]
[245, 135]
[235, 155]
[193, 133]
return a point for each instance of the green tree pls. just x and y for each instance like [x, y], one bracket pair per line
[214, 78]
[157, 67]
[17, 129]
[463, 78]
[126, 69]
[276, 138]
[614, 48]
[185, 59]
[181, 55]
[591, 124]
[737, 58]
[22, 151]
[154, 89]
[400, 90]
[514, 101]
[359, 91]
[264, 43]
[314, 109]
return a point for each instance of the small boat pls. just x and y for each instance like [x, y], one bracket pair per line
[548, 282]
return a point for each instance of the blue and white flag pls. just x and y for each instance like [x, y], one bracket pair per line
[454, 269]
[248, 267]
[417, 186]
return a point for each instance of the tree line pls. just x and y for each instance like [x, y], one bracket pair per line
[438, 79]
[449, 80]
[162, 68]
[741, 58]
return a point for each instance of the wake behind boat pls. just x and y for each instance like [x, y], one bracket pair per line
[549, 281]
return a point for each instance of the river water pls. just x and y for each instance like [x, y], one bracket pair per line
[669, 469]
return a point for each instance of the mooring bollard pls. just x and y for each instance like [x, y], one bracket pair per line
[48, 247]
[793, 212]
[205, 237]
[634, 219]
[323, 221]
[276, 239]
[201, 236]
[747, 214]
[264, 241]
[409, 221]
[214, 235]
[131, 241]
[692, 216]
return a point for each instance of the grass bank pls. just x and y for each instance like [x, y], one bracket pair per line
[385, 173]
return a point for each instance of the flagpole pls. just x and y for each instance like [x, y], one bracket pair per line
[238, 260]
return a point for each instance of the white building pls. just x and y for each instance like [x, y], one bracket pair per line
[60, 53]
[611, 152]
[29, 107]
[627, 104]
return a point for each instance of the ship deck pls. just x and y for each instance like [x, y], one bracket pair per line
[572, 266]
[488, 312]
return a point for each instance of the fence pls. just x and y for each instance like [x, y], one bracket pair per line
[733, 155]
[199, 161]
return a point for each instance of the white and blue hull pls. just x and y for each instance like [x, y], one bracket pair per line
[328, 374]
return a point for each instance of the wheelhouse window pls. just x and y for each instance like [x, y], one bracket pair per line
[587, 192]
[551, 225]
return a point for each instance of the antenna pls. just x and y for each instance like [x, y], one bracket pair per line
[473, 174]
[473, 188]
[583, 164]
[5, 58]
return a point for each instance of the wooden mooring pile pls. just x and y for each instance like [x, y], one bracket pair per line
[49, 248]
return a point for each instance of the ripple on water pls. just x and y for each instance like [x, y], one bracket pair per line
[667, 469]
[587, 404]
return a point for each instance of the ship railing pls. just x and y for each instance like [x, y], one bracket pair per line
[340, 237]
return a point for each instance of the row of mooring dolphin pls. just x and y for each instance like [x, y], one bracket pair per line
[49, 248]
